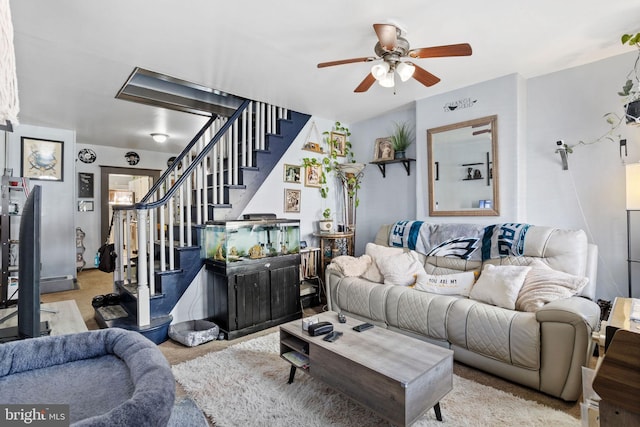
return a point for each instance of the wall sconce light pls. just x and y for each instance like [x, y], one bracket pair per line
[159, 137]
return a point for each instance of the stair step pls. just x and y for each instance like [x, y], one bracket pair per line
[116, 316]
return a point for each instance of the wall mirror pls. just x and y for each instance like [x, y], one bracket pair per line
[463, 168]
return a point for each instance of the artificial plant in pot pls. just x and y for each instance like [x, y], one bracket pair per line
[402, 138]
[326, 223]
[631, 89]
[331, 165]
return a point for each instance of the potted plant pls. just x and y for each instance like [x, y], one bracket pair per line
[402, 138]
[631, 89]
[326, 223]
[330, 161]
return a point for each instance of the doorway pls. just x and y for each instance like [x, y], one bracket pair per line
[122, 186]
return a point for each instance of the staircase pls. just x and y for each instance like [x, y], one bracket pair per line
[214, 178]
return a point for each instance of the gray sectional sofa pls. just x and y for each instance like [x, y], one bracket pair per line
[544, 348]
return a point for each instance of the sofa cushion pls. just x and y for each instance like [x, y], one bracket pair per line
[419, 312]
[377, 252]
[352, 266]
[362, 297]
[499, 285]
[505, 335]
[401, 269]
[544, 284]
[448, 284]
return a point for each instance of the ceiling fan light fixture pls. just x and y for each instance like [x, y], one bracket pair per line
[388, 80]
[379, 71]
[405, 70]
[159, 137]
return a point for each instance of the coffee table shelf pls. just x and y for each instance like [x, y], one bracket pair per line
[396, 376]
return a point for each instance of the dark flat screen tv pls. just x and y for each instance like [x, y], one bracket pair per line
[29, 324]
[29, 266]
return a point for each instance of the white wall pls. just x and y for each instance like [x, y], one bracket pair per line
[495, 97]
[58, 202]
[270, 196]
[532, 115]
[570, 105]
[382, 200]
[89, 222]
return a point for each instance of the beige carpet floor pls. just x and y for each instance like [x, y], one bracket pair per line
[94, 282]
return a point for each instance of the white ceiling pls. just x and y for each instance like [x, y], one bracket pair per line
[74, 55]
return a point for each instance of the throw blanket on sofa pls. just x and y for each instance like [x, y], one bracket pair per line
[460, 240]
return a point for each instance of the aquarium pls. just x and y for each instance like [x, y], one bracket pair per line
[233, 241]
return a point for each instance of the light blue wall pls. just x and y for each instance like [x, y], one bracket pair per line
[58, 202]
[569, 105]
[383, 200]
[532, 115]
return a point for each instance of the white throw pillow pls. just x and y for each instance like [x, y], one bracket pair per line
[352, 266]
[401, 269]
[544, 284]
[448, 284]
[377, 252]
[499, 285]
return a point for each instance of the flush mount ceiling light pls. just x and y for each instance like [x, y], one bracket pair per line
[159, 137]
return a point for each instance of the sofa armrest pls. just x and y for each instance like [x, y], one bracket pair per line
[570, 310]
[566, 345]
[332, 276]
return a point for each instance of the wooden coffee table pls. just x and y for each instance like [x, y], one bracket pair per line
[394, 375]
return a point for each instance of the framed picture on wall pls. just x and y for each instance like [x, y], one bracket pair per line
[383, 149]
[292, 174]
[41, 159]
[85, 185]
[312, 175]
[338, 143]
[292, 200]
[85, 206]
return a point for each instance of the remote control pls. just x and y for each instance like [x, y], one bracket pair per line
[363, 327]
[332, 336]
[342, 318]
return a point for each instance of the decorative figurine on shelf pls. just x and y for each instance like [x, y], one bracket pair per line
[469, 173]
[477, 174]
[255, 251]
[219, 254]
[233, 254]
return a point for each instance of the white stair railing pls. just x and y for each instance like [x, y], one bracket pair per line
[166, 215]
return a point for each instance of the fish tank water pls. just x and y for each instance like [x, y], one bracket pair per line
[233, 241]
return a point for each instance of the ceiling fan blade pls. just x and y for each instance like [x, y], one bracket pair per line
[463, 49]
[346, 61]
[366, 83]
[387, 35]
[424, 77]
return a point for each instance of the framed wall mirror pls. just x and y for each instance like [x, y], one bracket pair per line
[463, 168]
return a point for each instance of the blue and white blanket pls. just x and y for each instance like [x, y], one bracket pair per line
[466, 241]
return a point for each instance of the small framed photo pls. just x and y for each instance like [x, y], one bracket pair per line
[85, 185]
[292, 200]
[85, 206]
[41, 159]
[312, 176]
[338, 143]
[292, 174]
[383, 149]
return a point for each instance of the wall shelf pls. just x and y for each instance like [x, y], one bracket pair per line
[382, 165]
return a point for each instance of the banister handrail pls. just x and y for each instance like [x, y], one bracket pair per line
[196, 161]
[178, 159]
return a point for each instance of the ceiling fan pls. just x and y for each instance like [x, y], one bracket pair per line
[394, 51]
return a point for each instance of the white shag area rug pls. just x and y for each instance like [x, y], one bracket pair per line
[246, 385]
